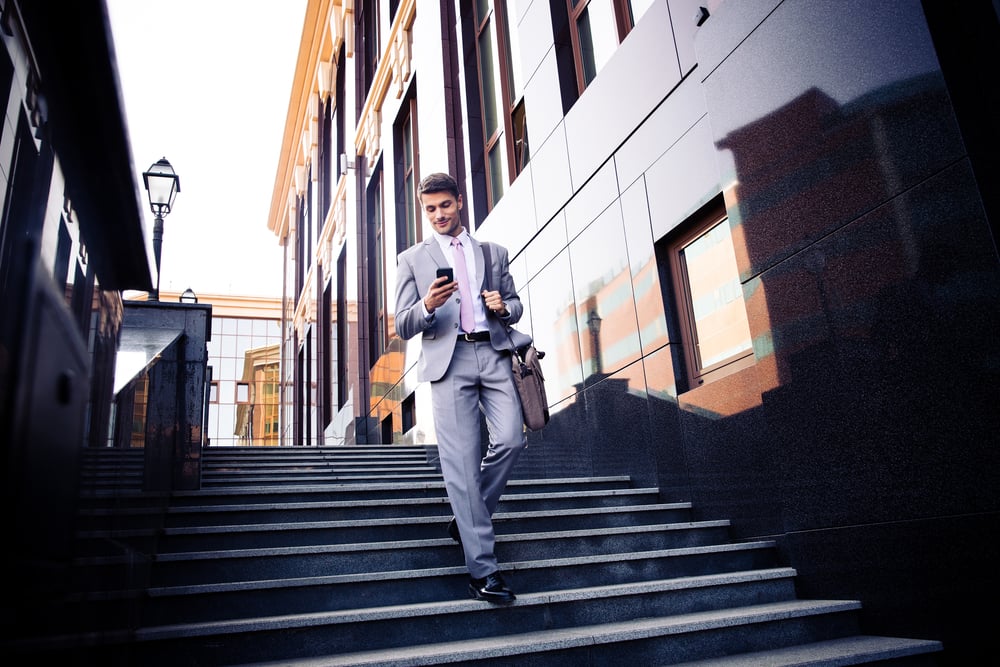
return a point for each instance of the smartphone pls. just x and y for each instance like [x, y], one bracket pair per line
[446, 272]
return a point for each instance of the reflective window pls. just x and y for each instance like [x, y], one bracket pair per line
[708, 297]
[244, 355]
[717, 308]
[500, 98]
[597, 27]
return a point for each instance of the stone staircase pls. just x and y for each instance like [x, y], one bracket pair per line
[340, 556]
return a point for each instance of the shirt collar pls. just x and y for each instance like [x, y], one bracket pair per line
[444, 240]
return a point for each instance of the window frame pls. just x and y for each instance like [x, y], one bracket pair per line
[575, 10]
[378, 316]
[706, 219]
[497, 26]
[409, 227]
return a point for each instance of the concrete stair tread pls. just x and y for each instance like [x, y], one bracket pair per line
[363, 547]
[342, 487]
[525, 643]
[830, 653]
[430, 520]
[198, 589]
[443, 500]
[688, 622]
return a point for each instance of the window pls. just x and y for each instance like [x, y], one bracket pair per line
[407, 217]
[213, 391]
[326, 348]
[711, 318]
[376, 269]
[409, 413]
[504, 131]
[327, 159]
[341, 329]
[596, 28]
[371, 42]
[242, 392]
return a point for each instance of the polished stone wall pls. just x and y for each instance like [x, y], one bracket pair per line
[863, 436]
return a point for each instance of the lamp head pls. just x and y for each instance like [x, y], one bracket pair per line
[162, 185]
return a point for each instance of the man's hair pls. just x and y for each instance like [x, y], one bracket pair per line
[438, 182]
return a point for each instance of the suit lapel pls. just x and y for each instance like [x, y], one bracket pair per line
[434, 249]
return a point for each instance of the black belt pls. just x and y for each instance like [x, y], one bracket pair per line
[475, 337]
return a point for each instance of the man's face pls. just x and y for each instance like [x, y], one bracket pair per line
[442, 211]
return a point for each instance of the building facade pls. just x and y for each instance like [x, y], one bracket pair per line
[755, 239]
[71, 238]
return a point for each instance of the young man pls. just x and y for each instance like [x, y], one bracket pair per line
[465, 357]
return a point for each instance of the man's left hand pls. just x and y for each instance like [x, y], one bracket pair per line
[495, 303]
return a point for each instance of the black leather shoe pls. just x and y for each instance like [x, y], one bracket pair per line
[492, 589]
[453, 531]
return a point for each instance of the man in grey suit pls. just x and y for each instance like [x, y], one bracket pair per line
[465, 357]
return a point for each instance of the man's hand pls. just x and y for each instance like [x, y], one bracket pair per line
[439, 292]
[495, 303]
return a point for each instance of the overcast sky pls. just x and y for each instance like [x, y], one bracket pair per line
[206, 85]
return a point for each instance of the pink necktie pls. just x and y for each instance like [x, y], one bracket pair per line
[464, 287]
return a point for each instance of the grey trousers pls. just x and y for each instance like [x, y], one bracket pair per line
[479, 378]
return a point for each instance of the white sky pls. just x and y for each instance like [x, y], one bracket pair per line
[206, 84]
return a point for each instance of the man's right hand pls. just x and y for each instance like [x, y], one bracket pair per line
[439, 292]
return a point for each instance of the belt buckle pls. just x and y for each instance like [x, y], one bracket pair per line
[468, 337]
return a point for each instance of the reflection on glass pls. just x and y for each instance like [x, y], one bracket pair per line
[256, 419]
[598, 37]
[514, 75]
[609, 337]
[637, 8]
[555, 328]
[720, 318]
[496, 172]
[488, 83]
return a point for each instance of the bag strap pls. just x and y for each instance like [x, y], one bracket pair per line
[488, 256]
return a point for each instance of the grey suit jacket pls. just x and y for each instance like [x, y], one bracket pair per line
[416, 270]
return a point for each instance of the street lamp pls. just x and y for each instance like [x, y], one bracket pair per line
[162, 185]
[594, 324]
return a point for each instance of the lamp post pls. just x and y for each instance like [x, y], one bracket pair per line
[594, 324]
[162, 185]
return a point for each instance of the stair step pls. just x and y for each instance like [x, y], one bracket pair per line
[152, 515]
[368, 559]
[831, 653]
[637, 641]
[350, 490]
[340, 555]
[546, 503]
[260, 599]
[304, 533]
[209, 603]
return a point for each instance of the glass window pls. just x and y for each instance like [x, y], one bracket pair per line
[597, 28]
[408, 219]
[711, 313]
[637, 8]
[598, 37]
[500, 101]
[717, 308]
